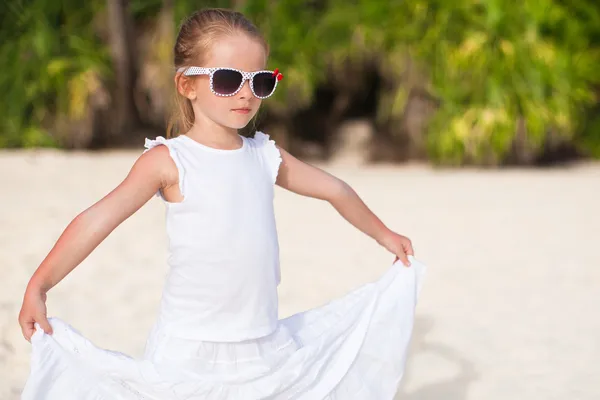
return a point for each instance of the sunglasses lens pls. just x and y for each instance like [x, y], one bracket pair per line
[226, 81]
[263, 84]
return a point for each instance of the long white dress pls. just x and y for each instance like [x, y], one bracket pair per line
[353, 347]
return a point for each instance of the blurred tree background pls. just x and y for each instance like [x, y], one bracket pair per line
[485, 82]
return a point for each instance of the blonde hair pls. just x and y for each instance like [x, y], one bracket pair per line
[197, 34]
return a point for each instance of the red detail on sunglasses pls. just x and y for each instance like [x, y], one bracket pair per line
[277, 74]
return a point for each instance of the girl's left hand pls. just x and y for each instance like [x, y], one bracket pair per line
[400, 245]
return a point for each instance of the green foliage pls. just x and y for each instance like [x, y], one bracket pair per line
[51, 61]
[491, 65]
[529, 60]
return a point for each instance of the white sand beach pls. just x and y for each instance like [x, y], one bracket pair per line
[507, 307]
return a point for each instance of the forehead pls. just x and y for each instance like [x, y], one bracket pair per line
[238, 51]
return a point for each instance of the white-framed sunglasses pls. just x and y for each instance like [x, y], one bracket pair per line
[229, 81]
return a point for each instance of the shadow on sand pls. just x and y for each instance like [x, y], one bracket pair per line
[454, 388]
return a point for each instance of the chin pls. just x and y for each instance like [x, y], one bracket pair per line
[237, 125]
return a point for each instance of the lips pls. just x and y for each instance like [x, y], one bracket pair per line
[243, 110]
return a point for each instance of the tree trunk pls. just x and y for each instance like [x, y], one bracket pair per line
[122, 49]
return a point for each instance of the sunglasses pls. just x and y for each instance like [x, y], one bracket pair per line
[229, 81]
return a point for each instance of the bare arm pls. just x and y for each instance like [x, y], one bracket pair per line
[152, 171]
[93, 225]
[308, 180]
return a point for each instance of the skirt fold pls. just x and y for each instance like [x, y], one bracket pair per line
[352, 348]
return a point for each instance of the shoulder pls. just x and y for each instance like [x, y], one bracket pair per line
[150, 144]
[159, 153]
[261, 139]
[265, 144]
[267, 151]
[158, 149]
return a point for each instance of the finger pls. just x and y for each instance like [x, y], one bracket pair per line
[27, 332]
[27, 329]
[409, 249]
[404, 258]
[44, 324]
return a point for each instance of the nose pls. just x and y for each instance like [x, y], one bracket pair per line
[245, 92]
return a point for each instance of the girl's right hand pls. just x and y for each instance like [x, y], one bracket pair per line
[33, 310]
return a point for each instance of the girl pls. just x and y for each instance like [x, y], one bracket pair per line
[217, 334]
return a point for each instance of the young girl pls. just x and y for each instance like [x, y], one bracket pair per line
[217, 334]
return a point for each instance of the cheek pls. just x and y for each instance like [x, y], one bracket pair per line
[207, 99]
[215, 107]
[255, 105]
[203, 88]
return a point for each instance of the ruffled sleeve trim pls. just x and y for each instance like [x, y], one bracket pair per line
[152, 143]
[271, 153]
[149, 143]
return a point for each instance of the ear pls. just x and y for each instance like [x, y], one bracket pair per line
[185, 86]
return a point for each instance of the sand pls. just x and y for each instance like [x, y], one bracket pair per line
[507, 309]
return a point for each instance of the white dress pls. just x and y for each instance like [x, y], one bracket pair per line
[217, 334]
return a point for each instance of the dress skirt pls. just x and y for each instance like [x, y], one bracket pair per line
[353, 347]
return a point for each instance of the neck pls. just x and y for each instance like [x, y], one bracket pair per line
[210, 132]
